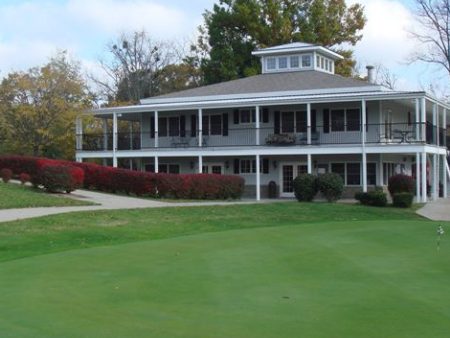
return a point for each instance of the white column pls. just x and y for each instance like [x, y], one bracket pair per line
[200, 164]
[436, 128]
[258, 180]
[423, 119]
[364, 171]
[155, 116]
[79, 133]
[434, 121]
[364, 122]
[257, 124]
[417, 120]
[380, 170]
[435, 179]
[114, 140]
[423, 179]
[418, 198]
[78, 159]
[130, 129]
[444, 124]
[444, 176]
[309, 164]
[200, 128]
[156, 164]
[105, 133]
[308, 123]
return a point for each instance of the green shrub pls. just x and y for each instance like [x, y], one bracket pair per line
[6, 174]
[376, 198]
[305, 187]
[331, 186]
[400, 183]
[403, 200]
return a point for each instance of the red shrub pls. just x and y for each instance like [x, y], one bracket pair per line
[6, 174]
[401, 183]
[56, 177]
[24, 178]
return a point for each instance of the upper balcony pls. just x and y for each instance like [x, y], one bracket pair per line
[346, 134]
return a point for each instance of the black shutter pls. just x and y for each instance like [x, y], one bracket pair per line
[237, 162]
[193, 125]
[182, 126]
[236, 116]
[253, 115]
[265, 163]
[326, 120]
[152, 127]
[254, 166]
[313, 121]
[225, 124]
[265, 115]
[276, 122]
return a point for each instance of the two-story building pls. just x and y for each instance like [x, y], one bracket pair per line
[296, 117]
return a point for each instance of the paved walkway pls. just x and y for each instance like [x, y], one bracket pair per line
[107, 202]
[438, 210]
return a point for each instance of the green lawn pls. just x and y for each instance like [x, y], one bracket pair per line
[277, 270]
[18, 196]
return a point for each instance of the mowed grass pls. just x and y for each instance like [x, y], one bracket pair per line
[18, 196]
[275, 270]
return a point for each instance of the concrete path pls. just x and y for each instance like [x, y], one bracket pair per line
[107, 202]
[438, 210]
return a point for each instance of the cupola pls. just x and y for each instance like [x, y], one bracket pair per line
[297, 56]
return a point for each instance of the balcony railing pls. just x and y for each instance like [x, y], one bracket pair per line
[333, 134]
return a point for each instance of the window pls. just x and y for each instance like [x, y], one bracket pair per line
[174, 169]
[371, 173]
[302, 169]
[317, 61]
[287, 122]
[353, 174]
[246, 166]
[162, 126]
[282, 62]
[216, 169]
[306, 61]
[295, 62]
[216, 124]
[338, 120]
[174, 126]
[353, 120]
[246, 116]
[339, 168]
[322, 61]
[271, 63]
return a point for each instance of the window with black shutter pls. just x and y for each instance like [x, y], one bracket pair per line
[265, 165]
[193, 125]
[216, 124]
[326, 120]
[237, 166]
[205, 124]
[265, 115]
[162, 126]
[182, 126]
[236, 116]
[276, 122]
[313, 121]
[225, 124]
[152, 127]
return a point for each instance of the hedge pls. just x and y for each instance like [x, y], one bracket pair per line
[115, 180]
[402, 200]
[400, 183]
[61, 177]
[376, 198]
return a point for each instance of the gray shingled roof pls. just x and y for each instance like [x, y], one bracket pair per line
[273, 82]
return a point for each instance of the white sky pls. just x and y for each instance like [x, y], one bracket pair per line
[33, 30]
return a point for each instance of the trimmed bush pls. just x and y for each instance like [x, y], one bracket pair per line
[400, 183]
[24, 178]
[305, 187]
[57, 178]
[402, 200]
[376, 198]
[6, 174]
[331, 186]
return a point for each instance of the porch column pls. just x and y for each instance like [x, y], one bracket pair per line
[130, 129]
[417, 119]
[200, 164]
[105, 133]
[380, 171]
[258, 180]
[156, 164]
[423, 179]
[435, 179]
[444, 176]
[364, 171]
[200, 129]
[79, 133]
[308, 123]
[418, 198]
[438, 134]
[434, 121]
[155, 116]
[444, 124]
[423, 119]
[364, 122]
[114, 140]
[309, 164]
[257, 125]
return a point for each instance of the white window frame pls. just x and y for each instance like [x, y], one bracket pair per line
[268, 63]
[285, 58]
[360, 171]
[252, 112]
[345, 120]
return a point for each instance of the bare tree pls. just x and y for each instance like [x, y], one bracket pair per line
[385, 77]
[433, 17]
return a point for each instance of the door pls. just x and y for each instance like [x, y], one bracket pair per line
[289, 171]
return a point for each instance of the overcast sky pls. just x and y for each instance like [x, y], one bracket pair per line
[32, 30]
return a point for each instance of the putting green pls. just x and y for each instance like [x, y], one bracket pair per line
[355, 279]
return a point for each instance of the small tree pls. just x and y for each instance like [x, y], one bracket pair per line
[331, 186]
[305, 187]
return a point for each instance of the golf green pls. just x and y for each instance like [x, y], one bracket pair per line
[335, 279]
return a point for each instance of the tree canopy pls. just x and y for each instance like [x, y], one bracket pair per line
[38, 108]
[234, 28]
